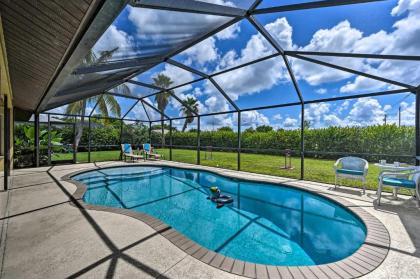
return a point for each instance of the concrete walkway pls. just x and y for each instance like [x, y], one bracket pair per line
[43, 236]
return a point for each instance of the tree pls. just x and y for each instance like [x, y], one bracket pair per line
[106, 103]
[264, 128]
[29, 140]
[162, 99]
[249, 130]
[193, 105]
[25, 141]
[306, 124]
[225, 129]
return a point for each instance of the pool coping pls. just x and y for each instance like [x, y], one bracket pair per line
[367, 258]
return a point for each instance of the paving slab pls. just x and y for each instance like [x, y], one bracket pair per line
[49, 238]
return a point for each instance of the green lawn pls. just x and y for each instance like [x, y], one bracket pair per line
[82, 157]
[315, 169]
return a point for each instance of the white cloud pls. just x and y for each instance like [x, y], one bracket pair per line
[206, 51]
[408, 114]
[89, 109]
[252, 79]
[170, 26]
[229, 33]
[315, 113]
[315, 74]
[216, 104]
[370, 44]
[404, 38]
[362, 84]
[113, 38]
[203, 52]
[277, 117]
[260, 76]
[343, 37]
[364, 112]
[60, 110]
[406, 5]
[220, 2]
[340, 37]
[290, 122]
[321, 91]
[344, 106]
[177, 75]
[282, 31]
[332, 120]
[216, 121]
[263, 76]
[255, 48]
[137, 113]
[253, 119]
[160, 30]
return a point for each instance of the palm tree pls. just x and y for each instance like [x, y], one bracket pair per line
[193, 105]
[107, 104]
[162, 99]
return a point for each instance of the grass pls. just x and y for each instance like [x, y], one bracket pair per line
[319, 170]
[82, 157]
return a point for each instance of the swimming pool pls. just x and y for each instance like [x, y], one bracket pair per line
[266, 224]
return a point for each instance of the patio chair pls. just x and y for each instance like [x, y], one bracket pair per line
[127, 151]
[148, 149]
[351, 168]
[409, 180]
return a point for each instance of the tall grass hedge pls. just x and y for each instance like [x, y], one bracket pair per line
[321, 143]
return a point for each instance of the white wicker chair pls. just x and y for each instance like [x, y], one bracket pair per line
[409, 180]
[351, 168]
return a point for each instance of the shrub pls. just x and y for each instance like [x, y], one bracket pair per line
[325, 143]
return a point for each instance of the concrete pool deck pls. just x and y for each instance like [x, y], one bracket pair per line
[43, 236]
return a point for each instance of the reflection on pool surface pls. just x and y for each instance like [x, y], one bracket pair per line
[266, 223]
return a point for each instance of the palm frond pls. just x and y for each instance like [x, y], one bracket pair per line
[162, 100]
[122, 89]
[112, 105]
[76, 108]
[162, 81]
[106, 55]
[102, 107]
[192, 103]
[90, 58]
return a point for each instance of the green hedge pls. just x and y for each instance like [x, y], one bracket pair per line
[380, 139]
[385, 139]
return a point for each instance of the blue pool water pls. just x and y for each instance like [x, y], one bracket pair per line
[266, 224]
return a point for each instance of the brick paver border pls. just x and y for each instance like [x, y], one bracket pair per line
[367, 258]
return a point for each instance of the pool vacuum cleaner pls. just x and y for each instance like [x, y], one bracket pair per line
[218, 198]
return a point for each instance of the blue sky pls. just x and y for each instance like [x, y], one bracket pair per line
[386, 27]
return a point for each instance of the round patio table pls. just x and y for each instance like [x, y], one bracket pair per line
[393, 168]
